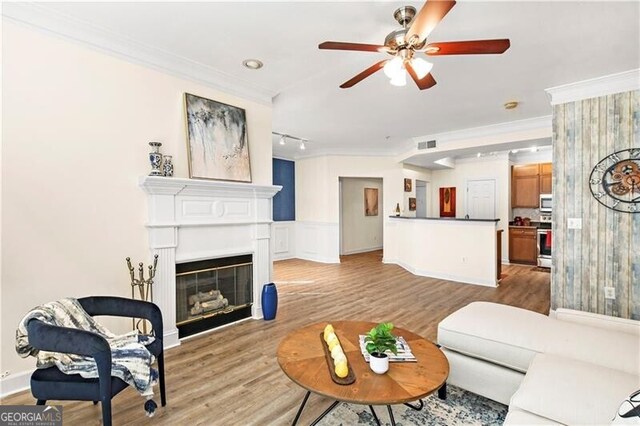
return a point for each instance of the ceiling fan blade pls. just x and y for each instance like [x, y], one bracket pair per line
[426, 82]
[361, 47]
[471, 47]
[364, 74]
[427, 18]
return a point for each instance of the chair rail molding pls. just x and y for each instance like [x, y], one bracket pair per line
[191, 219]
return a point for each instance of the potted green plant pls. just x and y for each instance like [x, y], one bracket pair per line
[378, 341]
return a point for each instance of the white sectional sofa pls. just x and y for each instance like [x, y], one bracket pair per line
[573, 368]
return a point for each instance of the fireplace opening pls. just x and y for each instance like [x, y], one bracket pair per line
[213, 292]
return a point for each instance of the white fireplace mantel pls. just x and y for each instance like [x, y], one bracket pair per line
[192, 220]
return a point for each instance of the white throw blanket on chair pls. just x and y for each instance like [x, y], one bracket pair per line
[130, 359]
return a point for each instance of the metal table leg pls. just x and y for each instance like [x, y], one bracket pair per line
[375, 417]
[415, 407]
[393, 421]
[304, 401]
[327, 411]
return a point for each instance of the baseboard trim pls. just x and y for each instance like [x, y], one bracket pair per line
[364, 250]
[319, 259]
[447, 277]
[15, 383]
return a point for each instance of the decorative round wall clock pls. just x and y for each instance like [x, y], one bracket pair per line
[615, 181]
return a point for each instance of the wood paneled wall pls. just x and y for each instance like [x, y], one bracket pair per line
[606, 251]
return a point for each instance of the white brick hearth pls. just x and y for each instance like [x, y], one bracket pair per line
[198, 219]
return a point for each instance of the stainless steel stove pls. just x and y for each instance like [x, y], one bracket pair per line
[545, 242]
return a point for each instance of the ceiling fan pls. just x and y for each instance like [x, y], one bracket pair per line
[404, 43]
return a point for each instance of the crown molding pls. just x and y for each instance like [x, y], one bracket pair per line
[43, 18]
[528, 124]
[595, 87]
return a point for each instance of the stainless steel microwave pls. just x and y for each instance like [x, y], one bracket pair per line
[546, 203]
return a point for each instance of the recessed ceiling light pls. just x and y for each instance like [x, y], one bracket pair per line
[534, 148]
[252, 64]
[479, 155]
[511, 105]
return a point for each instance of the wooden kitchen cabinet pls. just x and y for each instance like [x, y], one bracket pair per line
[528, 182]
[523, 246]
[525, 186]
[545, 178]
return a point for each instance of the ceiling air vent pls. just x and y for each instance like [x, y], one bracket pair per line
[427, 144]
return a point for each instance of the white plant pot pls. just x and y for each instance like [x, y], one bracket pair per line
[379, 365]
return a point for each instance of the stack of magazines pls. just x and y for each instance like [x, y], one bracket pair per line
[404, 351]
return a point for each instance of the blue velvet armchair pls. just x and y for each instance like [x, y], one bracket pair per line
[52, 384]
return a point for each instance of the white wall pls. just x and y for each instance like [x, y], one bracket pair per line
[318, 202]
[360, 233]
[76, 123]
[497, 168]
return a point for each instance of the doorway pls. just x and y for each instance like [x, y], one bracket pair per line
[421, 198]
[361, 215]
[481, 199]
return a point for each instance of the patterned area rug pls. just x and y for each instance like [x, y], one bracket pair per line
[460, 408]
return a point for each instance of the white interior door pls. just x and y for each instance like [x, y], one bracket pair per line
[481, 199]
[421, 198]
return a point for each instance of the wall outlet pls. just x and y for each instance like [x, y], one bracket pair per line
[609, 292]
[5, 374]
[464, 259]
[574, 223]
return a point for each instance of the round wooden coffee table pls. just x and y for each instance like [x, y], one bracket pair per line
[301, 357]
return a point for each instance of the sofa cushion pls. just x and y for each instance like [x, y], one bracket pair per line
[608, 348]
[571, 391]
[511, 337]
[515, 416]
[501, 334]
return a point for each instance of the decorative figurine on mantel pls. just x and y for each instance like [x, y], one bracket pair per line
[155, 158]
[145, 287]
[167, 166]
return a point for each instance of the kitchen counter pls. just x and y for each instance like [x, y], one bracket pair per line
[539, 225]
[462, 250]
[445, 219]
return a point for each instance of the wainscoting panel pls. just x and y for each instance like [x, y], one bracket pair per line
[284, 240]
[318, 241]
[606, 251]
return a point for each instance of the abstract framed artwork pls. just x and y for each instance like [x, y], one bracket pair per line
[412, 204]
[448, 202]
[371, 201]
[407, 185]
[217, 140]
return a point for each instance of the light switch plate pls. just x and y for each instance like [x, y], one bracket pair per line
[574, 223]
[609, 292]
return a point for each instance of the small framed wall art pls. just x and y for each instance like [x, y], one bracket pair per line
[371, 201]
[407, 185]
[448, 202]
[412, 204]
[217, 140]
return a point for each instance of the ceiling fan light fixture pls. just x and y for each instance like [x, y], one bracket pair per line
[400, 79]
[393, 67]
[421, 67]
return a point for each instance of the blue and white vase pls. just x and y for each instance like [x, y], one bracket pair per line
[167, 166]
[155, 158]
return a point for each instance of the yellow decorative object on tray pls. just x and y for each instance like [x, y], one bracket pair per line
[340, 371]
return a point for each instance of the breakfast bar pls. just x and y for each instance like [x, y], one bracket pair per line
[462, 250]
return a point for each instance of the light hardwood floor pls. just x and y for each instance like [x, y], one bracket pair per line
[231, 377]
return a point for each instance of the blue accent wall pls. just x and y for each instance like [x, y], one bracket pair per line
[284, 202]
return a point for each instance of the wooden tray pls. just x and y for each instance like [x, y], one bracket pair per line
[349, 378]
